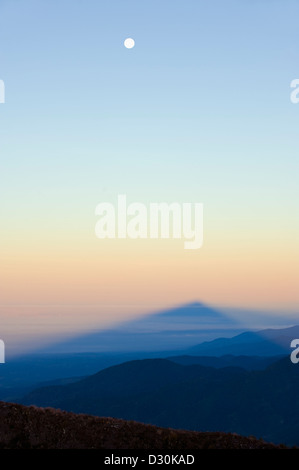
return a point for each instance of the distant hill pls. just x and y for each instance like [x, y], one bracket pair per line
[261, 403]
[245, 362]
[269, 342]
[249, 350]
[34, 428]
[22, 375]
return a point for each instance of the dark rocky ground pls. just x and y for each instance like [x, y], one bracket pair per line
[23, 427]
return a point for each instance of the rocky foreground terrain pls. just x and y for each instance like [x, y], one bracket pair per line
[23, 427]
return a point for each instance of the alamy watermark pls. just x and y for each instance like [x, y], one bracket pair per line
[2, 92]
[158, 220]
[2, 352]
[295, 93]
[295, 354]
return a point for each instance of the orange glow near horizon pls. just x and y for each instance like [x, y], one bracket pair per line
[150, 273]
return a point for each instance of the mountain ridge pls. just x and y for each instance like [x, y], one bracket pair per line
[270, 341]
[193, 397]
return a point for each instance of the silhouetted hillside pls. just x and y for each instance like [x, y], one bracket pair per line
[22, 375]
[261, 403]
[35, 428]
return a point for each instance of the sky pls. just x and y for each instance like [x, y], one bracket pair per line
[198, 111]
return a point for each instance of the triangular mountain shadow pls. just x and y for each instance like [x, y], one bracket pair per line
[169, 330]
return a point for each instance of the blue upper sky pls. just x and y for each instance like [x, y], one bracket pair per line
[202, 99]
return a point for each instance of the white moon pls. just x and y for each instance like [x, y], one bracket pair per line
[129, 43]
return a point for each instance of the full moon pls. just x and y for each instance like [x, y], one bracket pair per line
[129, 43]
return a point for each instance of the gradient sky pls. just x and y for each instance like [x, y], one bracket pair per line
[198, 111]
